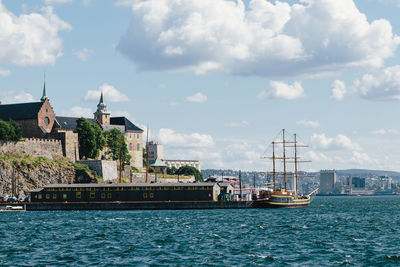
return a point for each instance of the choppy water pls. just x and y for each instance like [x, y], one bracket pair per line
[332, 231]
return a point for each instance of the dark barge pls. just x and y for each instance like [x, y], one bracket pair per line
[131, 197]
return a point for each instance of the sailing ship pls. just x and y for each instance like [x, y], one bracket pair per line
[282, 197]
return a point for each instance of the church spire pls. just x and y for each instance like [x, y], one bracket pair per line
[44, 95]
[102, 116]
[101, 98]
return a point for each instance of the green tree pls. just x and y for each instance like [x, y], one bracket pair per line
[172, 170]
[189, 170]
[91, 138]
[17, 130]
[10, 131]
[116, 141]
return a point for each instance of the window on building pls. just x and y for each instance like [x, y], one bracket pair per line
[103, 195]
[92, 195]
[54, 196]
[78, 195]
[130, 146]
[47, 196]
[138, 136]
[46, 120]
[40, 196]
[64, 196]
[137, 147]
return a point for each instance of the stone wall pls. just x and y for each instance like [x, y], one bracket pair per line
[47, 148]
[104, 168]
[70, 144]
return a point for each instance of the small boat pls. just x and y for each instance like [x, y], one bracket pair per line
[281, 197]
[5, 208]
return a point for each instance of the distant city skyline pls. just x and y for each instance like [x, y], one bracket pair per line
[217, 80]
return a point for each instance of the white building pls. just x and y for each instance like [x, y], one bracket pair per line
[180, 163]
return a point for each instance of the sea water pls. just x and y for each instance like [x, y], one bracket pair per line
[332, 231]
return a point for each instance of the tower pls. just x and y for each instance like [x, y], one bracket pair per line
[101, 115]
[44, 96]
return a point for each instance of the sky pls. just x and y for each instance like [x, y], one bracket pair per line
[217, 80]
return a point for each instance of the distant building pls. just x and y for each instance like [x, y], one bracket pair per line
[156, 151]
[180, 163]
[327, 181]
[357, 183]
[385, 183]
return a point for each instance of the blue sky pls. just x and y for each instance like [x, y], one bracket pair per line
[216, 80]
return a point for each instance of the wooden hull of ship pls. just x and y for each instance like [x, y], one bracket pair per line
[282, 202]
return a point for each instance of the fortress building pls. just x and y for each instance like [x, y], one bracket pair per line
[36, 118]
[133, 134]
[39, 120]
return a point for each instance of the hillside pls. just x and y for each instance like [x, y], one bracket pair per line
[34, 172]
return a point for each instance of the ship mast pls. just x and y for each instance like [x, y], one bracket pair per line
[147, 155]
[284, 158]
[273, 164]
[295, 163]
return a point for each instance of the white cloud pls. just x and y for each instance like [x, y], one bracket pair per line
[30, 39]
[236, 124]
[11, 97]
[169, 137]
[124, 2]
[360, 158]
[321, 141]
[221, 154]
[286, 91]
[338, 90]
[262, 38]
[383, 85]
[78, 112]
[173, 104]
[262, 95]
[83, 54]
[316, 156]
[197, 98]
[86, 3]
[122, 113]
[308, 123]
[4, 72]
[49, 2]
[111, 94]
[384, 131]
